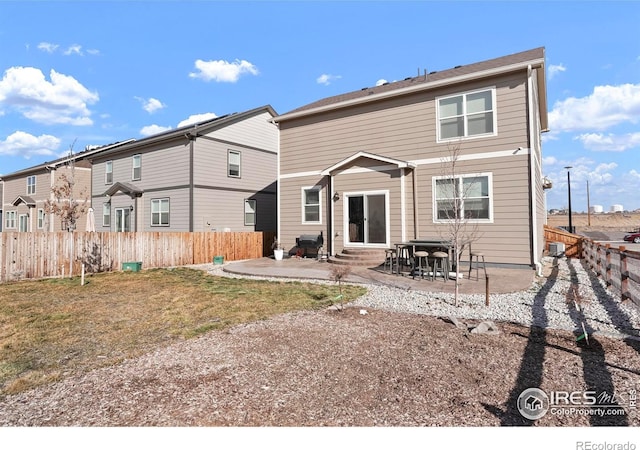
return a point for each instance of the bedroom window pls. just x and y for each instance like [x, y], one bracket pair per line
[466, 115]
[311, 206]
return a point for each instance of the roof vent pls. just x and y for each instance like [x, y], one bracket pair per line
[364, 89]
[457, 67]
[408, 78]
[431, 73]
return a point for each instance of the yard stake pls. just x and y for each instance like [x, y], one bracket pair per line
[82, 276]
[486, 293]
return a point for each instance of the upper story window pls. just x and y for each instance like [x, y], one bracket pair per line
[137, 167]
[160, 212]
[108, 172]
[10, 219]
[466, 115]
[250, 212]
[31, 185]
[464, 197]
[311, 205]
[233, 163]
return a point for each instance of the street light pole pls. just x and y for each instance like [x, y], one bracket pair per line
[569, 194]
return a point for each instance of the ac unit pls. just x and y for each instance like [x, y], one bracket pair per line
[556, 249]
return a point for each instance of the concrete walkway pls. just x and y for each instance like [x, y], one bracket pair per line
[500, 280]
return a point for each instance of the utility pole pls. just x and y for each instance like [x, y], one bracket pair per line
[569, 194]
[588, 206]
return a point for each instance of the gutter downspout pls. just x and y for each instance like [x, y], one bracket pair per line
[532, 175]
[191, 140]
[414, 179]
[333, 211]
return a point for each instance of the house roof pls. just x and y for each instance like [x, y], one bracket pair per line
[191, 131]
[347, 161]
[24, 199]
[64, 160]
[534, 58]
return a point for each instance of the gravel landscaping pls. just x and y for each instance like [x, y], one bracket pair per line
[392, 358]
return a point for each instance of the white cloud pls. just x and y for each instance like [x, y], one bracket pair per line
[93, 51]
[47, 47]
[606, 107]
[28, 145]
[381, 81]
[555, 69]
[197, 118]
[326, 79]
[151, 105]
[74, 49]
[549, 160]
[153, 129]
[610, 142]
[63, 100]
[223, 71]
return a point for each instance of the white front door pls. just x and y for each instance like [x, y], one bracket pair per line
[366, 219]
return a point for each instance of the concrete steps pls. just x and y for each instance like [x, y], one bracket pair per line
[363, 257]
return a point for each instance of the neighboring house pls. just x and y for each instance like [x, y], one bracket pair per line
[366, 167]
[216, 175]
[1, 203]
[25, 192]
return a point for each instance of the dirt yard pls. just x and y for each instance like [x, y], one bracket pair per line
[597, 222]
[332, 368]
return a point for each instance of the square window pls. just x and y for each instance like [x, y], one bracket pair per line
[465, 197]
[466, 115]
[160, 212]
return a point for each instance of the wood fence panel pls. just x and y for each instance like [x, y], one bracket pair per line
[41, 254]
[572, 242]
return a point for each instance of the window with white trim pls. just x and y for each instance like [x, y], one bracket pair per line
[250, 212]
[108, 172]
[137, 167]
[466, 115]
[40, 223]
[106, 214]
[10, 219]
[160, 212]
[233, 163]
[311, 205]
[465, 197]
[31, 185]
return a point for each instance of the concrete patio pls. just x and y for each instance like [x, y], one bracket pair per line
[501, 280]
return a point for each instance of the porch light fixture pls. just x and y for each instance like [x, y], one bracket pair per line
[336, 197]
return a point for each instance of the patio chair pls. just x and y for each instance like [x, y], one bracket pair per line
[440, 262]
[421, 263]
[389, 260]
[476, 264]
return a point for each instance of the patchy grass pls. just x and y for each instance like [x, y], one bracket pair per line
[52, 328]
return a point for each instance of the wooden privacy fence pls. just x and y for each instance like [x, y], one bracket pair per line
[618, 267]
[572, 242]
[40, 255]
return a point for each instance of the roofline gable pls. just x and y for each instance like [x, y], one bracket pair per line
[345, 162]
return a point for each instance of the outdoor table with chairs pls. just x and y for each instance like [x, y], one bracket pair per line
[418, 257]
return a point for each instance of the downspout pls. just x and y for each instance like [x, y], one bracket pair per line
[333, 211]
[329, 244]
[532, 175]
[191, 140]
[414, 179]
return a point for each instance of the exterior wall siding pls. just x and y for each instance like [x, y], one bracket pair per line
[404, 128]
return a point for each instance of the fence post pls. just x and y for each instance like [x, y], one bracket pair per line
[624, 275]
[607, 269]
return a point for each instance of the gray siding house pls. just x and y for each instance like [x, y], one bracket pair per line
[23, 194]
[216, 175]
[366, 168]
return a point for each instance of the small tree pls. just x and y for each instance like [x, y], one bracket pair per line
[455, 210]
[64, 204]
[338, 273]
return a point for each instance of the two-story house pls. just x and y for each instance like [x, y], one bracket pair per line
[215, 175]
[369, 168]
[24, 193]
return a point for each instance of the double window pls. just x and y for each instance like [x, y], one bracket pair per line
[160, 212]
[233, 164]
[108, 172]
[10, 219]
[466, 115]
[311, 205]
[250, 212]
[465, 197]
[137, 167]
[31, 185]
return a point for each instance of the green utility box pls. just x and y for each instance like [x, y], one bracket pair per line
[132, 266]
[218, 259]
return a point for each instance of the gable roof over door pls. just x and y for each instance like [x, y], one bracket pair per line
[383, 159]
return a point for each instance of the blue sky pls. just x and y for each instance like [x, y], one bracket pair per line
[80, 73]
